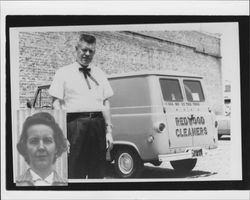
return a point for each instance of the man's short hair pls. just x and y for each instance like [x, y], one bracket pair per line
[87, 38]
[46, 119]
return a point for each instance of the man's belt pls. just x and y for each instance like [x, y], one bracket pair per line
[85, 115]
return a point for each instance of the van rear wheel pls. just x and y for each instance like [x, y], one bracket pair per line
[128, 164]
[183, 166]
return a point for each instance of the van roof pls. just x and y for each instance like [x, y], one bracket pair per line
[154, 72]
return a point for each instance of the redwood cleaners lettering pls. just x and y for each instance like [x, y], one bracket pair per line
[190, 126]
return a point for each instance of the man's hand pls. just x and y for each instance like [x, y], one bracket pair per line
[109, 138]
[56, 104]
[68, 146]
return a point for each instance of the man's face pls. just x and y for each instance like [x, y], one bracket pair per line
[41, 147]
[85, 53]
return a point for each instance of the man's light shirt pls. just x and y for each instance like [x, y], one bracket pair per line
[70, 86]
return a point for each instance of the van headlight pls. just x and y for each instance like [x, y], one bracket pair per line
[150, 139]
[159, 127]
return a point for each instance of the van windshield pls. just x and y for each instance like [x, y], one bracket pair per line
[193, 90]
[171, 90]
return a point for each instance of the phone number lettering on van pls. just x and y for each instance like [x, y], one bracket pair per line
[185, 122]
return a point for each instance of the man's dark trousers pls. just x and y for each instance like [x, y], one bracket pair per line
[87, 139]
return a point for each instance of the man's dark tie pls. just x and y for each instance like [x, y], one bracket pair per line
[86, 72]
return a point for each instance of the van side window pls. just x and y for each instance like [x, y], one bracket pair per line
[193, 90]
[171, 90]
[130, 91]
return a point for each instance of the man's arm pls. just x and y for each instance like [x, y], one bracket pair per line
[106, 112]
[107, 118]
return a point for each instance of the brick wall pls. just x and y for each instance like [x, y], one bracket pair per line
[42, 53]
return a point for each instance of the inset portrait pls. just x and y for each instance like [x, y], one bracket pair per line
[40, 148]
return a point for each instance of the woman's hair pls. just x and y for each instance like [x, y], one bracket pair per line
[46, 119]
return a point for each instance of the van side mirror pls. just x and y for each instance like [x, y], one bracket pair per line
[29, 105]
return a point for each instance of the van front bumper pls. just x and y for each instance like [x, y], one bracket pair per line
[187, 154]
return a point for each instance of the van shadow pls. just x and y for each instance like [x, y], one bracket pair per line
[158, 172]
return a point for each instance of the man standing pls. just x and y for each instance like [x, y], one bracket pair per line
[83, 90]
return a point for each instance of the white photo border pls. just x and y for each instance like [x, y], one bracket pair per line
[237, 8]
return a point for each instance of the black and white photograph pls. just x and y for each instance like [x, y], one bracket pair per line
[100, 106]
[143, 101]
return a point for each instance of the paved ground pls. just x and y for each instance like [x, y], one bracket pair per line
[211, 167]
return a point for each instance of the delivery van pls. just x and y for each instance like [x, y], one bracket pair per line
[157, 116]
[160, 116]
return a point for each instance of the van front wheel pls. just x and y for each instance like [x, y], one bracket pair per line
[128, 164]
[183, 166]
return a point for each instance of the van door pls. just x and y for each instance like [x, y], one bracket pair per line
[200, 120]
[176, 114]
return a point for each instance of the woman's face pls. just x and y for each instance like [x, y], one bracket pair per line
[41, 147]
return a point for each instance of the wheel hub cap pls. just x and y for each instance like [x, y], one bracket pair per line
[125, 163]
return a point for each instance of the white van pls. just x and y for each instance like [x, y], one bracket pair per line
[157, 117]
